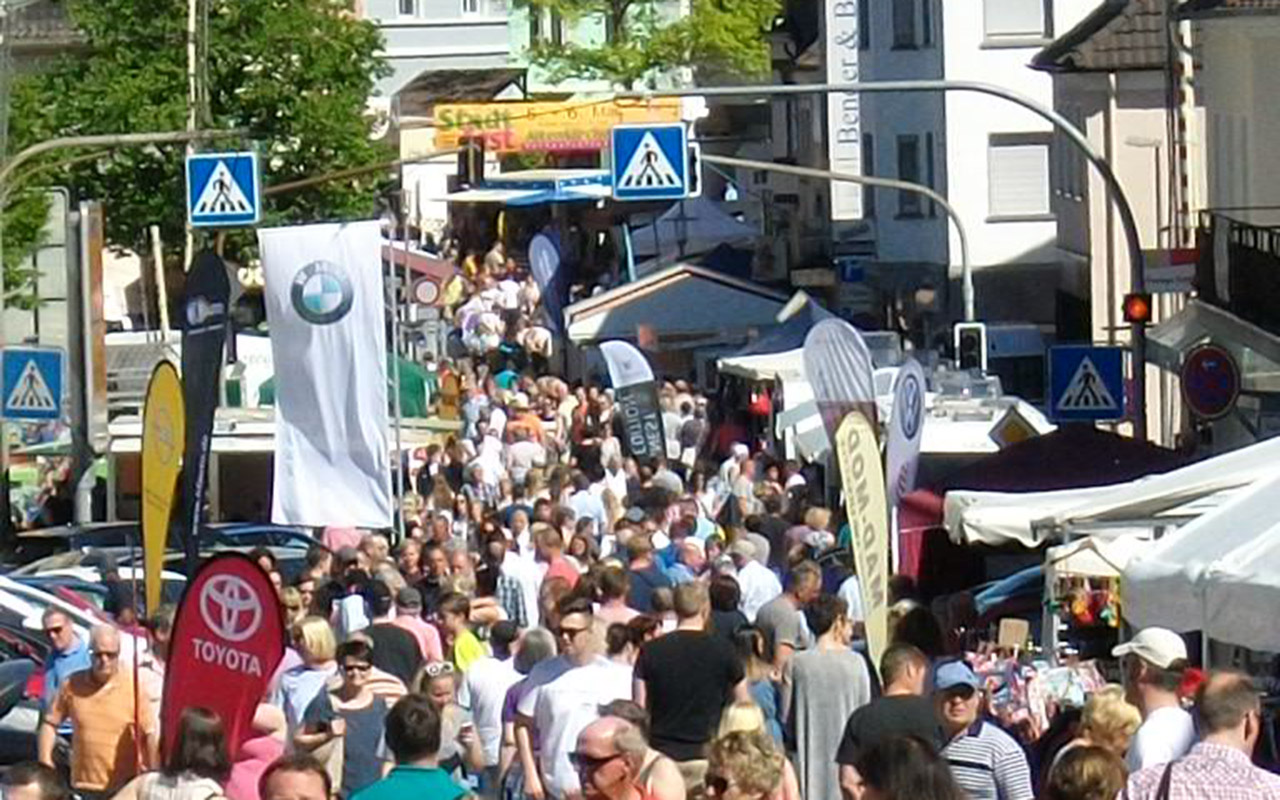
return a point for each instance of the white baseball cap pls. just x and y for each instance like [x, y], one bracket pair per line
[1158, 646]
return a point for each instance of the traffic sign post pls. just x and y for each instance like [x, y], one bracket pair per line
[1210, 381]
[650, 162]
[224, 190]
[33, 381]
[1086, 384]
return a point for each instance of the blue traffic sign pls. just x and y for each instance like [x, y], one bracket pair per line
[1086, 383]
[32, 387]
[224, 190]
[650, 162]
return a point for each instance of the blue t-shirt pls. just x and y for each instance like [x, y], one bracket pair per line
[62, 666]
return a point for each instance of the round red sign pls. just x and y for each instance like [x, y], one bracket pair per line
[1210, 381]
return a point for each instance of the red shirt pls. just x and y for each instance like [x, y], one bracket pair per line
[559, 567]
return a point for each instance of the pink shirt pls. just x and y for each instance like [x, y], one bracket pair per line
[561, 568]
[255, 756]
[619, 615]
[426, 634]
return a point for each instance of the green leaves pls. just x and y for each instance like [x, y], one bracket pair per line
[297, 73]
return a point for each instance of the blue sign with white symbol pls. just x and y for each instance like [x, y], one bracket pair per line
[1086, 383]
[650, 162]
[32, 387]
[224, 190]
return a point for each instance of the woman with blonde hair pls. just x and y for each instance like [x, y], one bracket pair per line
[744, 765]
[314, 640]
[747, 717]
[1109, 721]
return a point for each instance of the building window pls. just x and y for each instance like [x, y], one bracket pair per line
[909, 170]
[904, 24]
[864, 25]
[470, 8]
[557, 28]
[926, 23]
[868, 168]
[535, 24]
[1017, 22]
[929, 177]
[408, 8]
[1018, 176]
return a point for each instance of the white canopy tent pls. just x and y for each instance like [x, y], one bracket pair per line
[1219, 574]
[1092, 557]
[1144, 506]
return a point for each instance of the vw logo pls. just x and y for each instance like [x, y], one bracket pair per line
[912, 406]
[230, 608]
[322, 293]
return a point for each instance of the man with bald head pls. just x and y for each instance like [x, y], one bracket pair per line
[608, 759]
[99, 702]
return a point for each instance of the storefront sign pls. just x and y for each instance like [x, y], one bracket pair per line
[518, 127]
[228, 634]
[844, 109]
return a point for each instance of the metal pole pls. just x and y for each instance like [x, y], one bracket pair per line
[883, 183]
[1138, 333]
[395, 346]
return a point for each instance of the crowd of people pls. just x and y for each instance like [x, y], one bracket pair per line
[560, 621]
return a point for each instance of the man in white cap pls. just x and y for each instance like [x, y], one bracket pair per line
[757, 583]
[1152, 663]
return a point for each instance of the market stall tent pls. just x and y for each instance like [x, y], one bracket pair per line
[1219, 574]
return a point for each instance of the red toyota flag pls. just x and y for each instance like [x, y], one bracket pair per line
[228, 639]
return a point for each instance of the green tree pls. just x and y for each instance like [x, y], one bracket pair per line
[644, 40]
[296, 73]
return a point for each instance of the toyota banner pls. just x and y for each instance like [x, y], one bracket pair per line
[228, 636]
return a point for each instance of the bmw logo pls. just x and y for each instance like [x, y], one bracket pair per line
[322, 293]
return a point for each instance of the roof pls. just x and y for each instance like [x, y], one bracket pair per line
[680, 302]
[1226, 8]
[1119, 35]
[420, 95]
[42, 24]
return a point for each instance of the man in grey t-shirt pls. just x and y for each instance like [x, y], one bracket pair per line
[781, 619]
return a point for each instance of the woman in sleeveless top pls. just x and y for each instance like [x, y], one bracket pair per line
[659, 777]
[197, 765]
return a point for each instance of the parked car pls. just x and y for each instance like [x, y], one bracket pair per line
[44, 542]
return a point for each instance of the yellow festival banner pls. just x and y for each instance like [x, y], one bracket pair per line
[862, 478]
[539, 127]
[163, 435]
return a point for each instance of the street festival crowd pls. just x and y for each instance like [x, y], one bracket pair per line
[561, 622]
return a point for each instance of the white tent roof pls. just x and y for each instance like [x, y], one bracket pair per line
[689, 227]
[1093, 557]
[765, 366]
[1138, 507]
[1219, 574]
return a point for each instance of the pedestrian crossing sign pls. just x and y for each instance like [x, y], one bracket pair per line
[224, 190]
[32, 387]
[1086, 383]
[650, 162]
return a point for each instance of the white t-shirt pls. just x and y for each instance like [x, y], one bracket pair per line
[759, 585]
[484, 689]
[562, 707]
[1167, 733]
[851, 592]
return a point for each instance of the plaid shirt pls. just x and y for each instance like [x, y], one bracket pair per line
[511, 598]
[1209, 772]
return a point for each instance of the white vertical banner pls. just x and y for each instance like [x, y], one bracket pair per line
[326, 310]
[906, 428]
[839, 368]
[844, 109]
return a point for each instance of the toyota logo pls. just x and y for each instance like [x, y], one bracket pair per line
[230, 608]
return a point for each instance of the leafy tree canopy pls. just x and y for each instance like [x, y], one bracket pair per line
[296, 73]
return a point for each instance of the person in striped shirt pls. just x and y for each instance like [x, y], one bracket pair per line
[986, 762]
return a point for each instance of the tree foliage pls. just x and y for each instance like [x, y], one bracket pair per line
[296, 73]
[645, 40]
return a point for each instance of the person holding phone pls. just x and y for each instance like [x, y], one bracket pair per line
[351, 717]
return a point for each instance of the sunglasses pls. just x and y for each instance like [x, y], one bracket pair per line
[55, 630]
[583, 762]
[570, 633]
[438, 668]
[353, 668]
[959, 693]
[717, 785]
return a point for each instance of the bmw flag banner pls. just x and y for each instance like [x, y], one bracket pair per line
[325, 308]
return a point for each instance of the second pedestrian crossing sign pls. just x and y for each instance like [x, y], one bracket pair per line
[650, 162]
[32, 385]
[224, 190]
[1086, 383]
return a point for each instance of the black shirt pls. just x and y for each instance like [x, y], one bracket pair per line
[885, 718]
[395, 651]
[775, 530]
[689, 678]
[725, 624]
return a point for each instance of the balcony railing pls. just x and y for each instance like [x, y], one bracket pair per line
[1239, 268]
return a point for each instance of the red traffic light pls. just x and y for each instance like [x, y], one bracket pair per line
[1137, 308]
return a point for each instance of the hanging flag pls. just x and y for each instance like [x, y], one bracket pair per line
[839, 368]
[163, 435]
[544, 264]
[906, 428]
[636, 394]
[864, 500]
[228, 639]
[326, 311]
[204, 334]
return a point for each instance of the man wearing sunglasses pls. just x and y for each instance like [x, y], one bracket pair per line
[608, 759]
[107, 746]
[69, 654]
[986, 762]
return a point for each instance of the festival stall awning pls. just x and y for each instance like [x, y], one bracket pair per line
[537, 186]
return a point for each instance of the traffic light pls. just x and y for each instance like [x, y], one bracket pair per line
[970, 340]
[1137, 308]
